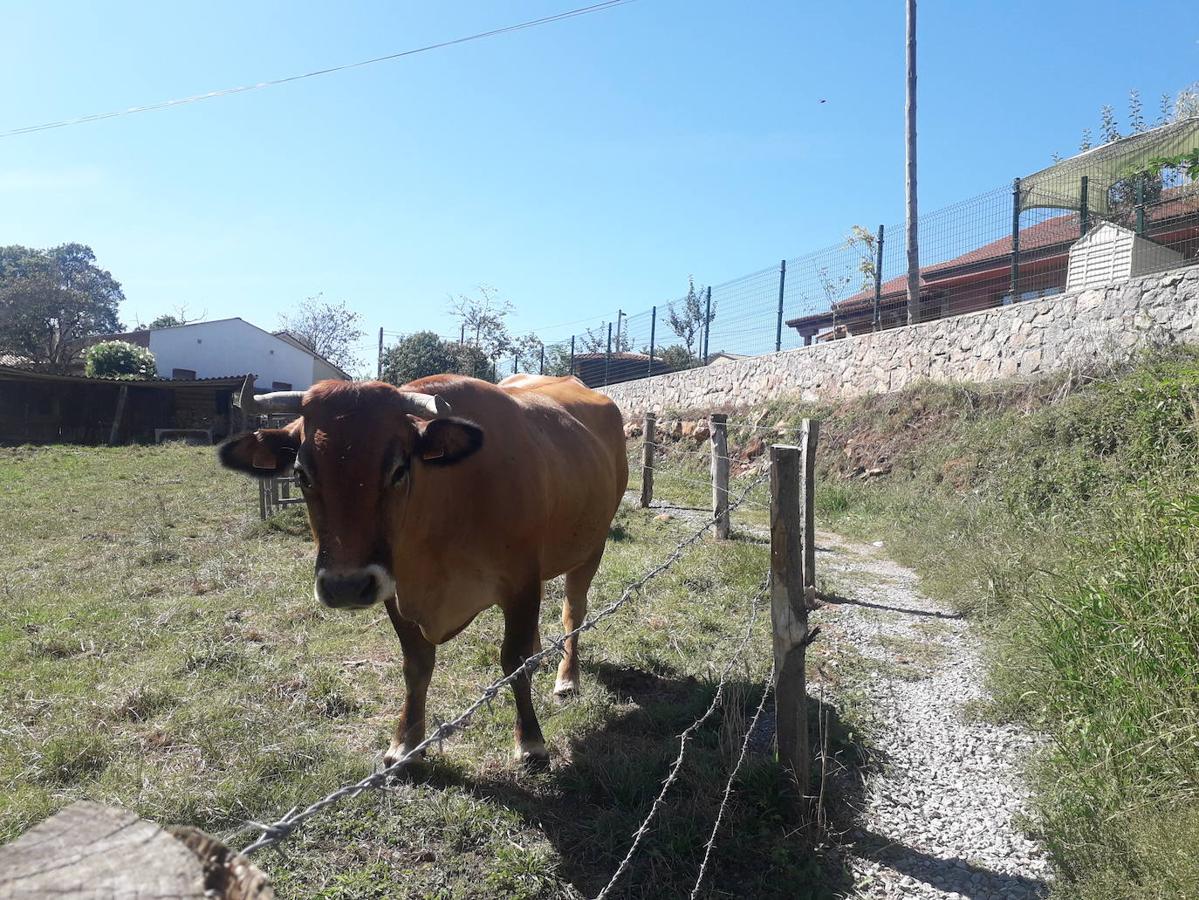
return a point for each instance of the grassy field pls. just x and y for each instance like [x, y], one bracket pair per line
[160, 649]
[1065, 516]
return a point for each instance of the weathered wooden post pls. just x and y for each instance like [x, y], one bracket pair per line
[809, 434]
[718, 422]
[788, 612]
[649, 439]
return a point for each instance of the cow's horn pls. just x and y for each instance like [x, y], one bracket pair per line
[428, 405]
[277, 402]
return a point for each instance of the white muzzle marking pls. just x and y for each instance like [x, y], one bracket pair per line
[353, 588]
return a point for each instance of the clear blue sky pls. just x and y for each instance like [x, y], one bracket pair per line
[578, 167]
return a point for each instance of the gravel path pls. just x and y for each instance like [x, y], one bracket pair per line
[942, 799]
[938, 811]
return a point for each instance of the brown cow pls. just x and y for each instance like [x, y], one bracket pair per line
[441, 516]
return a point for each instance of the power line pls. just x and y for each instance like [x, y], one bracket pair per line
[196, 98]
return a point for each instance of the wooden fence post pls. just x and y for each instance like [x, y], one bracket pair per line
[788, 613]
[720, 474]
[650, 438]
[808, 436]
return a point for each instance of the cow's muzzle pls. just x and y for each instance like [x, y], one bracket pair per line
[353, 588]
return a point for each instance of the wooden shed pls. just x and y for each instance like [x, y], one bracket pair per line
[45, 408]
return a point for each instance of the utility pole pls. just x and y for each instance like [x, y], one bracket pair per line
[913, 237]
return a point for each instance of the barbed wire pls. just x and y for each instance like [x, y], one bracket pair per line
[676, 766]
[275, 832]
[728, 787]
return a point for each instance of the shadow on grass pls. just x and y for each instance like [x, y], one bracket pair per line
[596, 796]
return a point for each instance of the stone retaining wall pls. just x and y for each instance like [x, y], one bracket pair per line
[1078, 330]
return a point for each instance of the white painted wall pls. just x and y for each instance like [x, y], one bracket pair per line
[232, 347]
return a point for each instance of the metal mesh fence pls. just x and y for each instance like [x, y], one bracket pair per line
[1079, 224]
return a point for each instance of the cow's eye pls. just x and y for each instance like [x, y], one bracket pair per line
[302, 477]
[400, 471]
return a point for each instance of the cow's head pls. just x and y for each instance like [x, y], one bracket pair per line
[356, 451]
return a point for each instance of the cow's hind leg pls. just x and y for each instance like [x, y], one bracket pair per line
[419, 659]
[574, 611]
[521, 640]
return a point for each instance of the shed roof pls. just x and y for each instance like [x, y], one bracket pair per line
[18, 373]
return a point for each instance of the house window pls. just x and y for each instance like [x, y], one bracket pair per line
[183, 374]
[280, 386]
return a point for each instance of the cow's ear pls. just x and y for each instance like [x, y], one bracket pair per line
[262, 454]
[446, 441]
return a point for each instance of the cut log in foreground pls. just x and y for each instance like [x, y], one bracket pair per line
[91, 850]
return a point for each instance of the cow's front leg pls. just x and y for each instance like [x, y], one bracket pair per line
[521, 640]
[419, 658]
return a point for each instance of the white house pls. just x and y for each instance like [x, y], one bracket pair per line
[279, 361]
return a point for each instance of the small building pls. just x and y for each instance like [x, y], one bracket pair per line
[201, 350]
[46, 408]
[1110, 253]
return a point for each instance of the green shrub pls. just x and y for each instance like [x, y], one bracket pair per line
[119, 359]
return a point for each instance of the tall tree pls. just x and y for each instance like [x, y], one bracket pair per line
[52, 300]
[689, 317]
[418, 356]
[526, 350]
[330, 329]
[173, 319]
[482, 320]
[910, 156]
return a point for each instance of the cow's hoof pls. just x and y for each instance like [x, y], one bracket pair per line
[566, 689]
[533, 757]
[409, 770]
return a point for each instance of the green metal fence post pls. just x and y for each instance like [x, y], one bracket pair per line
[1141, 205]
[541, 370]
[608, 354]
[572, 354]
[707, 322]
[778, 327]
[1084, 213]
[878, 280]
[1015, 240]
[653, 325]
